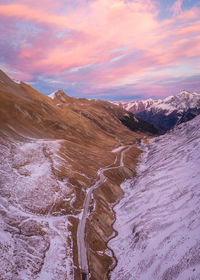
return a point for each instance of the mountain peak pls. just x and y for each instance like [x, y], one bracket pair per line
[188, 94]
[184, 93]
[59, 94]
[167, 112]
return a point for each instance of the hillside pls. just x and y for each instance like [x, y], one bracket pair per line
[168, 112]
[52, 152]
[158, 217]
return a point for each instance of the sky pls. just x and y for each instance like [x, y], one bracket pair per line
[106, 49]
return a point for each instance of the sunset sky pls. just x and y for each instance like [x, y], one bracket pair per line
[109, 49]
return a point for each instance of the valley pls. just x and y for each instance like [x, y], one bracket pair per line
[51, 152]
[82, 252]
[90, 191]
[100, 140]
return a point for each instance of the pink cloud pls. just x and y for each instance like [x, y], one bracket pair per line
[77, 33]
[35, 14]
[177, 7]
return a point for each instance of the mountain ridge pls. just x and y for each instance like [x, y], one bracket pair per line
[165, 113]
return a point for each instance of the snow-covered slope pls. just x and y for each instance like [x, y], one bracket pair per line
[167, 112]
[35, 242]
[157, 220]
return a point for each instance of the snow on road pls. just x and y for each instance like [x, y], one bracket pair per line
[158, 218]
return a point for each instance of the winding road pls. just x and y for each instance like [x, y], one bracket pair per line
[82, 251]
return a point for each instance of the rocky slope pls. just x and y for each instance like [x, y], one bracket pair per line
[158, 218]
[168, 112]
[51, 151]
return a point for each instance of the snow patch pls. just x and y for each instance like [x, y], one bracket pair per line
[16, 81]
[118, 149]
[34, 243]
[52, 95]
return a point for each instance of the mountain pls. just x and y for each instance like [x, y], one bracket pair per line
[168, 112]
[62, 161]
[157, 220]
[71, 205]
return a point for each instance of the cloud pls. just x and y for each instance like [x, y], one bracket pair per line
[177, 7]
[98, 44]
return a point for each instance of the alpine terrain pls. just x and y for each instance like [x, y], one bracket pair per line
[168, 112]
[158, 217]
[62, 162]
[90, 191]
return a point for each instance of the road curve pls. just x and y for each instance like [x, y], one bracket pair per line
[82, 252]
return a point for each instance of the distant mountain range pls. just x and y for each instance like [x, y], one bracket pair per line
[165, 113]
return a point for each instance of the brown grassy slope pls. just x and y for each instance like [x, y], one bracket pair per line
[90, 129]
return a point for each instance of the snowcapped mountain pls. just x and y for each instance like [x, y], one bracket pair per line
[168, 112]
[58, 94]
[157, 219]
